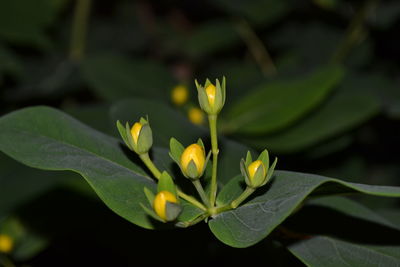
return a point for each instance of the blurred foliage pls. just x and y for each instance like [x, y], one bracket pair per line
[316, 82]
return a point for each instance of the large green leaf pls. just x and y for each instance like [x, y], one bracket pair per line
[211, 37]
[24, 21]
[327, 251]
[342, 112]
[45, 138]
[275, 105]
[257, 218]
[352, 232]
[352, 209]
[114, 77]
[167, 122]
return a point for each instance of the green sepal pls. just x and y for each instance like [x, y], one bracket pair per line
[172, 210]
[191, 171]
[144, 121]
[145, 139]
[175, 150]
[130, 138]
[122, 132]
[223, 90]
[218, 102]
[208, 82]
[264, 157]
[249, 159]
[149, 195]
[243, 170]
[167, 183]
[200, 143]
[151, 213]
[270, 171]
[259, 177]
[202, 97]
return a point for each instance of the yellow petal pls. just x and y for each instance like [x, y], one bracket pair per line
[253, 167]
[135, 131]
[160, 202]
[196, 153]
[211, 92]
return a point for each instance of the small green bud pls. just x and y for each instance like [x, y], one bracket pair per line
[212, 97]
[139, 138]
[257, 173]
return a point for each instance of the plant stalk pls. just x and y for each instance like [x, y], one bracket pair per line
[157, 174]
[150, 165]
[79, 29]
[212, 119]
[256, 48]
[354, 31]
[195, 221]
[246, 193]
[201, 192]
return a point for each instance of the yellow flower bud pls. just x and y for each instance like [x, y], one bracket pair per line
[179, 95]
[6, 243]
[253, 167]
[135, 131]
[194, 153]
[211, 92]
[160, 203]
[196, 115]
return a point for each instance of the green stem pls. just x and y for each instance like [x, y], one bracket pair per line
[256, 48]
[193, 222]
[79, 29]
[246, 193]
[157, 174]
[234, 204]
[212, 119]
[201, 192]
[191, 199]
[354, 32]
[150, 165]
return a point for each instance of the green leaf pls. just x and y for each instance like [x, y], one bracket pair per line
[351, 208]
[210, 37]
[272, 204]
[275, 105]
[341, 113]
[331, 252]
[45, 138]
[114, 77]
[33, 18]
[94, 115]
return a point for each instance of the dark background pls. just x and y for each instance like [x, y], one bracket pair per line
[84, 56]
